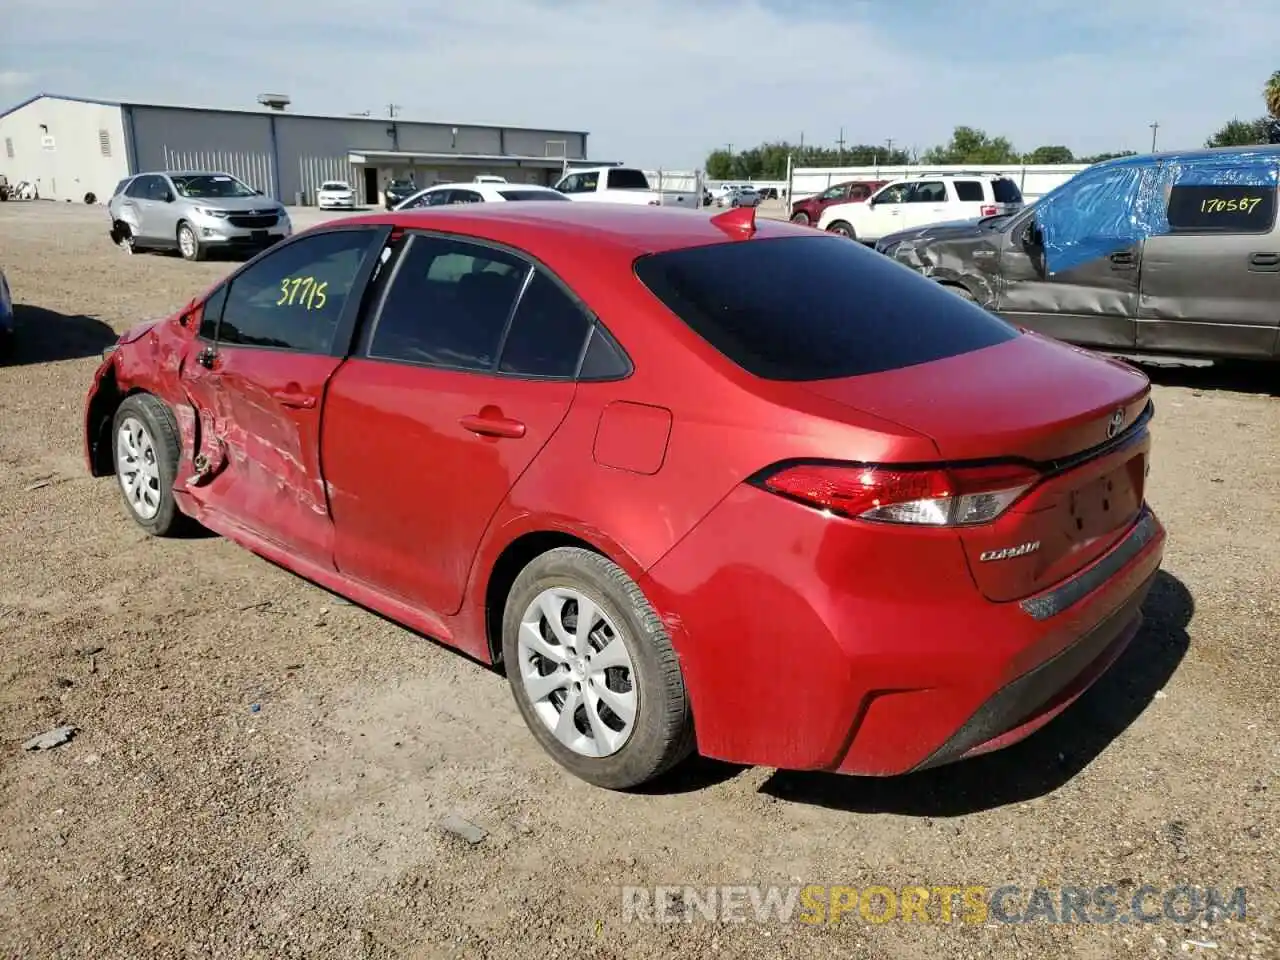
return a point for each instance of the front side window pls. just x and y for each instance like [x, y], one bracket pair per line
[895, 194]
[211, 186]
[140, 188]
[294, 298]
[448, 304]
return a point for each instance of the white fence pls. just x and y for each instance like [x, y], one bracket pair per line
[1034, 180]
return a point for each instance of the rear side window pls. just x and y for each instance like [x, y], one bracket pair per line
[815, 308]
[627, 180]
[548, 332]
[969, 191]
[1229, 208]
[1005, 191]
[448, 304]
[531, 195]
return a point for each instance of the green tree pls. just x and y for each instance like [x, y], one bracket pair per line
[970, 145]
[1271, 94]
[768, 161]
[1056, 154]
[1099, 157]
[1240, 133]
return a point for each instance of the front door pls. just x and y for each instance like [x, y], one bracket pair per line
[883, 213]
[1094, 303]
[257, 377]
[1212, 285]
[463, 376]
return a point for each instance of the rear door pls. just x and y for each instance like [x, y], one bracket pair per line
[1212, 285]
[883, 213]
[462, 375]
[271, 338]
[971, 200]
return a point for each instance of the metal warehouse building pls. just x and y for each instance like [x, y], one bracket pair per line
[69, 147]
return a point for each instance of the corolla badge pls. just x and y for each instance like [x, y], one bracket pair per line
[1008, 553]
[1116, 423]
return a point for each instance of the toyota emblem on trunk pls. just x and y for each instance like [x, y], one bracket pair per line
[1116, 423]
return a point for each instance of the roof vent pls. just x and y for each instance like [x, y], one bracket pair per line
[274, 101]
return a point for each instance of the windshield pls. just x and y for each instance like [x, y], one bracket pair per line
[205, 186]
[401, 185]
[334, 185]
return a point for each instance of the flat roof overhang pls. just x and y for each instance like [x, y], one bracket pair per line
[361, 157]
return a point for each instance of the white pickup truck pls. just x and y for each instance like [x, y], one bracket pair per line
[621, 185]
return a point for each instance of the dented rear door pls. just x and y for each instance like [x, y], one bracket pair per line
[258, 387]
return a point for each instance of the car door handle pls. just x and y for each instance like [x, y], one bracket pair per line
[292, 396]
[491, 426]
[1121, 261]
[1264, 262]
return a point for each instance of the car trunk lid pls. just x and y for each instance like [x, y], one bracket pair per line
[1079, 418]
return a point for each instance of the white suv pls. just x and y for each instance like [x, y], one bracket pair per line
[920, 201]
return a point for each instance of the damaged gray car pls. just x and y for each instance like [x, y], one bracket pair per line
[1173, 255]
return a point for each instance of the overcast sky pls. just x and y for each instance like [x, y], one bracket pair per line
[662, 82]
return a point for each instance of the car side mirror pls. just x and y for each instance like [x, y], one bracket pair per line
[871, 201]
[167, 197]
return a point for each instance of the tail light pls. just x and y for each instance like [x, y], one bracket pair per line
[934, 496]
[990, 210]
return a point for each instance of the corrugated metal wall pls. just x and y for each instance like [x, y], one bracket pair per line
[252, 167]
[313, 171]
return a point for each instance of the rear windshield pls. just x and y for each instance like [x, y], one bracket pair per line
[815, 308]
[1006, 191]
[624, 179]
[533, 195]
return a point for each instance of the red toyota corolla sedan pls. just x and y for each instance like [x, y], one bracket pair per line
[696, 482]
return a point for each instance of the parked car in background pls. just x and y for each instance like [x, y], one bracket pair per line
[335, 194]
[809, 209]
[919, 201]
[489, 178]
[1163, 255]
[444, 194]
[620, 185]
[195, 212]
[945, 515]
[396, 191]
[739, 195]
[6, 315]
[768, 193]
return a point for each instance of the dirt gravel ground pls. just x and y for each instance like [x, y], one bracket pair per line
[260, 768]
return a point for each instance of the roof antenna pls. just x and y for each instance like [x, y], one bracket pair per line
[738, 222]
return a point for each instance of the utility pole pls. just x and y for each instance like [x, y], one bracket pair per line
[1154, 125]
[392, 110]
[889, 148]
[840, 144]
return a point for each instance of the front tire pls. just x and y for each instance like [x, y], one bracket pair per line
[189, 244]
[843, 229]
[145, 449]
[593, 671]
[801, 218]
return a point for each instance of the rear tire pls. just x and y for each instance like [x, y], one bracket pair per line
[623, 659]
[843, 229]
[145, 449]
[801, 218]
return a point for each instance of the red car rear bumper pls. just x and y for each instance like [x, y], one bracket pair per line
[827, 645]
